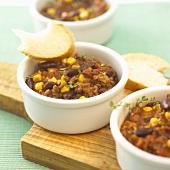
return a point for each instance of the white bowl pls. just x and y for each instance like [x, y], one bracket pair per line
[130, 157]
[74, 116]
[97, 30]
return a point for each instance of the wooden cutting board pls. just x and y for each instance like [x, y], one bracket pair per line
[90, 151]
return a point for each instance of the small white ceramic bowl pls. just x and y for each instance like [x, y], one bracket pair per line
[130, 157]
[74, 116]
[97, 30]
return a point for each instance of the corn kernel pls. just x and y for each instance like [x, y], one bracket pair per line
[37, 77]
[81, 9]
[76, 18]
[82, 97]
[51, 11]
[107, 7]
[51, 70]
[65, 15]
[39, 71]
[84, 14]
[65, 89]
[168, 143]
[71, 60]
[53, 79]
[75, 66]
[64, 60]
[156, 107]
[47, 78]
[147, 109]
[134, 127]
[58, 81]
[154, 121]
[167, 115]
[81, 78]
[39, 86]
[68, 1]
[62, 80]
[62, 77]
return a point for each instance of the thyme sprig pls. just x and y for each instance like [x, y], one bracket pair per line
[79, 70]
[139, 101]
[83, 56]
[63, 70]
[122, 103]
[143, 99]
[71, 85]
[28, 77]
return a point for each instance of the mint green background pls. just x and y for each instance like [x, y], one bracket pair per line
[138, 28]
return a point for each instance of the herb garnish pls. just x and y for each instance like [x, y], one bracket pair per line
[79, 70]
[28, 77]
[63, 70]
[71, 85]
[138, 102]
[83, 56]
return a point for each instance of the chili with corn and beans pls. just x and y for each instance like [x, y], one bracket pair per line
[74, 10]
[148, 127]
[75, 77]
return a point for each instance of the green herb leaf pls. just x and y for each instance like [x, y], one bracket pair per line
[71, 85]
[79, 71]
[144, 98]
[138, 102]
[62, 69]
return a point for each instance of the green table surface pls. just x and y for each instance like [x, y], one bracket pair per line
[138, 28]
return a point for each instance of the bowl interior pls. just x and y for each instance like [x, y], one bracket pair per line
[37, 5]
[104, 54]
[118, 116]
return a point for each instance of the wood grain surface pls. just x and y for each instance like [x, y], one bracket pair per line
[90, 151]
[10, 94]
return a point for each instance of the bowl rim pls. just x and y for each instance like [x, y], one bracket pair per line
[74, 103]
[120, 139]
[81, 24]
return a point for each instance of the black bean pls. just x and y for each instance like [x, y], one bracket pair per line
[150, 104]
[68, 95]
[49, 85]
[109, 73]
[102, 90]
[90, 64]
[165, 104]
[30, 83]
[47, 64]
[141, 132]
[115, 78]
[72, 72]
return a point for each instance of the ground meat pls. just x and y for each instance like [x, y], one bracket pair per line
[74, 10]
[148, 127]
[72, 78]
